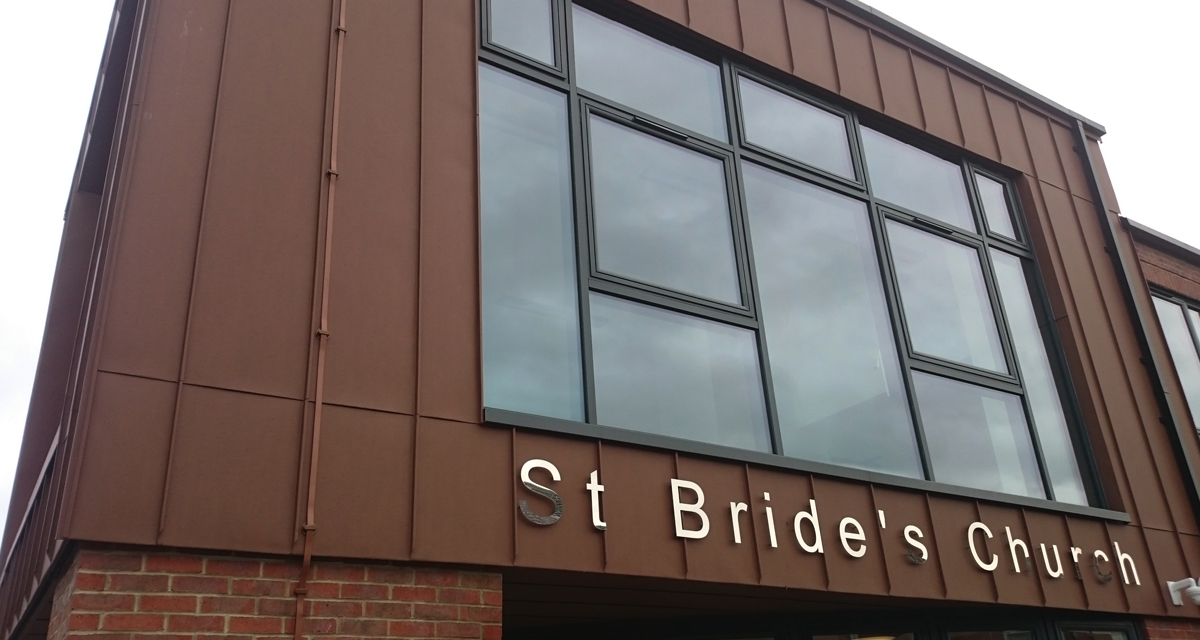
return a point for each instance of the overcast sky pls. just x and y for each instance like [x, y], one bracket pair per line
[1131, 67]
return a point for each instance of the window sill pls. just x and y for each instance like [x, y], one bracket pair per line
[504, 418]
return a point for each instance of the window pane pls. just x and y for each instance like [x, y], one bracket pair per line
[1093, 635]
[990, 635]
[977, 437]
[838, 388]
[617, 62]
[666, 373]
[661, 212]
[531, 356]
[795, 128]
[995, 206]
[911, 178]
[866, 636]
[945, 301]
[525, 26]
[1183, 352]
[1040, 390]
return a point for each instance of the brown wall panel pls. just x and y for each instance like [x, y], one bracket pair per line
[1145, 438]
[1010, 135]
[232, 479]
[717, 19]
[857, 77]
[973, 116]
[901, 99]
[640, 539]
[1068, 154]
[448, 324]
[124, 460]
[937, 99]
[462, 493]
[787, 565]
[673, 9]
[373, 285]
[716, 558]
[847, 573]
[1140, 571]
[1050, 530]
[253, 294]
[764, 31]
[364, 484]
[906, 577]
[1043, 148]
[572, 543]
[964, 580]
[152, 275]
[1016, 581]
[54, 360]
[1191, 552]
[1091, 536]
[811, 43]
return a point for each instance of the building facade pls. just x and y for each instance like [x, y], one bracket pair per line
[693, 318]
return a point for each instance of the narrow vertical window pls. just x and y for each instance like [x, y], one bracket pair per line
[1183, 351]
[995, 207]
[1045, 404]
[531, 355]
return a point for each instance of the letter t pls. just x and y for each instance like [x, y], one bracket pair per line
[596, 488]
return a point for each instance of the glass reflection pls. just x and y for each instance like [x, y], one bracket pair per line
[867, 636]
[995, 206]
[977, 437]
[944, 298]
[525, 26]
[903, 174]
[661, 213]
[795, 128]
[1040, 389]
[675, 375]
[1183, 351]
[838, 388]
[617, 62]
[531, 358]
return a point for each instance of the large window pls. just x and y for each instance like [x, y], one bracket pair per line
[1180, 322]
[677, 246]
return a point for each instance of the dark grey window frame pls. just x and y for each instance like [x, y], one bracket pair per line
[1187, 304]
[582, 104]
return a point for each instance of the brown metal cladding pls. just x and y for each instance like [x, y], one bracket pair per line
[152, 272]
[462, 493]
[764, 29]
[54, 360]
[364, 493]
[125, 460]
[373, 294]
[717, 558]
[1010, 135]
[901, 98]
[973, 116]
[905, 577]
[406, 470]
[787, 565]
[636, 484]
[448, 333]
[1016, 581]
[857, 77]
[573, 543]
[1132, 541]
[716, 19]
[811, 43]
[253, 293]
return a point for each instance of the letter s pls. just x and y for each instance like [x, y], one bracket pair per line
[545, 492]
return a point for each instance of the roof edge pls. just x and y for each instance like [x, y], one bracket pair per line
[1162, 240]
[883, 19]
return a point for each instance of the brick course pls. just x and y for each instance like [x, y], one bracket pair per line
[1169, 272]
[1170, 629]
[134, 595]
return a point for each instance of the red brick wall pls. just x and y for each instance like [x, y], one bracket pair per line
[1170, 629]
[130, 595]
[1169, 272]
